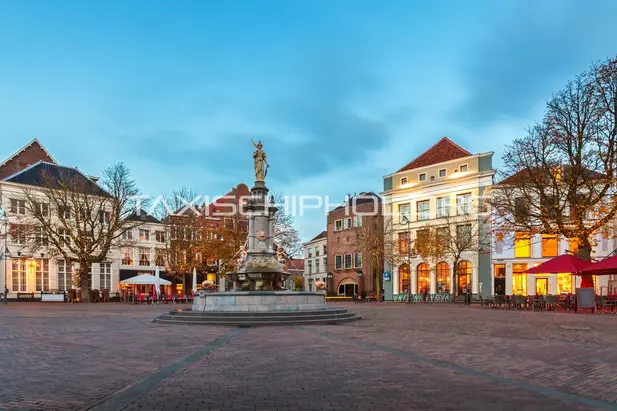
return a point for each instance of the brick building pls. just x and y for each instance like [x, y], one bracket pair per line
[348, 274]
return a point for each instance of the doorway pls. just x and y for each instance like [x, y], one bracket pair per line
[541, 286]
[463, 280]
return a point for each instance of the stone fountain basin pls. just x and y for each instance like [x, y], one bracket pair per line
[259, 301]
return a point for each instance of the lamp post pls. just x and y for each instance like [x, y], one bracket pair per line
[405, 220]
[6, 253]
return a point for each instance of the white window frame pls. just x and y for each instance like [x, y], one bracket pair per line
[422, 177]
[17, 206]
[310, 267]
[19, 275]
[442, 207]
[128, 234]
[144, 235]
[355, 256]
[105, 276]
[65, 275]
[428, 211]
[338, 262]
[460, 168]
[464, 208]
[401, 214]
[347, 223]
[445, 173]
[147, 253]
[357, 221]
[338, 225]
[404, 181]
[350, 261]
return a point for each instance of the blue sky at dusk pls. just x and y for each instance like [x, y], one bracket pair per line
[340, 92]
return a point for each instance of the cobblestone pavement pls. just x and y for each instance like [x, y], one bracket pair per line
[412, 357]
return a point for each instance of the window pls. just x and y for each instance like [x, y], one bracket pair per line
[463, 235]
[317, 265]
[403, 273]
[18, 275]
[442, 172]
[442, 236]
[64, 212]
[549, 245]
[310, 267]
[325, 249]
[463, 276]
[42, 209]
[65, 275]
[18, 234]
[310, 252]
[403, 242]
[18, 206]
[42, 274]
[65, 237]
[338, 225]
[90, 276]
[404, 210]
[519, 279]
[144, 235]
[105, 276]
[338, 262]
[357, 221]
[573, 246]
[522, 245]
[127, 256]
[443, 206]
[403, 181]
[550, 206]
[316, 251]
[347, 261]
[423, 210]
[422, 239]
[499, 243]
[422, 177]
[521, 209]
[500, 270]
[160, 236]
[144, 256]
[357, 260]
[104, 217]
[463, 204]
[347, 223]
[325, 263]
[564, 283]
[41, 238]
[443, 277]
[463, 168]
[424, 278]
[127, 235]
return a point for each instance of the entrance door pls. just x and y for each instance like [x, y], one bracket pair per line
[463, 280]
[541, 286]
[500, 286]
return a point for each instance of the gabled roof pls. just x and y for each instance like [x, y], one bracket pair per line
[524, 175]
[323, 234]
[49, 175]
[24, 157]
[444, 150]
[142, 216]
[362, 198]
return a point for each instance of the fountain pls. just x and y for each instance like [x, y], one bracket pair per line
[258, 297]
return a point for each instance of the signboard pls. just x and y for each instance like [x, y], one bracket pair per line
[386, 276]
[585, 298]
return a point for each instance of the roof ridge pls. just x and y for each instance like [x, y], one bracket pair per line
[34, 140]
[425, 152]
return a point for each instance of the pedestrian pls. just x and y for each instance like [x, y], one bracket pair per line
[6, 293]
[468, 295]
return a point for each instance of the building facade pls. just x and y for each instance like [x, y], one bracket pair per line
[444, 186]
[348, 274]
[315, 260]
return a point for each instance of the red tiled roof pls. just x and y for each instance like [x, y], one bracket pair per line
[31, 153]
[241, 190]
[323, 234]
[444, 150]
[294, 264]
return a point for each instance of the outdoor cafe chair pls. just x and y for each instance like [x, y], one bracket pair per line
[552, 302]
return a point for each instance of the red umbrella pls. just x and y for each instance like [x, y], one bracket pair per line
[607, 266]
[566, 263]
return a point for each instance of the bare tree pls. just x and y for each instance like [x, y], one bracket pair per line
[561, 177]
[72, 217]
[285, 235]
[379, 244]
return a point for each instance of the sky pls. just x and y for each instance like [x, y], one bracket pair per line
[340, 93]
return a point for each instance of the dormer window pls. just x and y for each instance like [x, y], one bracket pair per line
[463, 168]
[442, 172]
[403, 181]
[422, 177]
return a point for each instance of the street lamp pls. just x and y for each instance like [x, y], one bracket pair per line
[360, 285]
[6, 254]
[405, 220]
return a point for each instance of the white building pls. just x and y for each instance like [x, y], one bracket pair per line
[315, 260]
[443, 186]
[24, 270]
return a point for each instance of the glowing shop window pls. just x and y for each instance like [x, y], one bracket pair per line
[564, 283]
[519, 280]
[549, 245]
[522, 245]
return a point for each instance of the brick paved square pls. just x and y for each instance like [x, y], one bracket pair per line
[412, 357]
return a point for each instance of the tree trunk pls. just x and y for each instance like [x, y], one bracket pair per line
[174, 281]
[83, 282]
[377, 286]
[584, 251]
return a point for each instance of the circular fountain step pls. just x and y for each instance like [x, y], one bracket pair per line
[328, 316]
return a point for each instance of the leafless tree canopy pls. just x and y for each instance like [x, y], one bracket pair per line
[561, 177]
[285, 235]
[71, 217]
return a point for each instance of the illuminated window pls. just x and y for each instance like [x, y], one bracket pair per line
[403, 242]
[463, 275]
[42, 274]
[403, 273]
[519, 279]
[443, 277]
[424, 278]
[564, 283]
[549, 245]
[522, 245]
[105, 279]
[19, 275]
[65, 275]
[574, 244]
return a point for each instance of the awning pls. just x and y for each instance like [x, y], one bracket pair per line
[145, 279]
[566, 263]
[607, 266]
